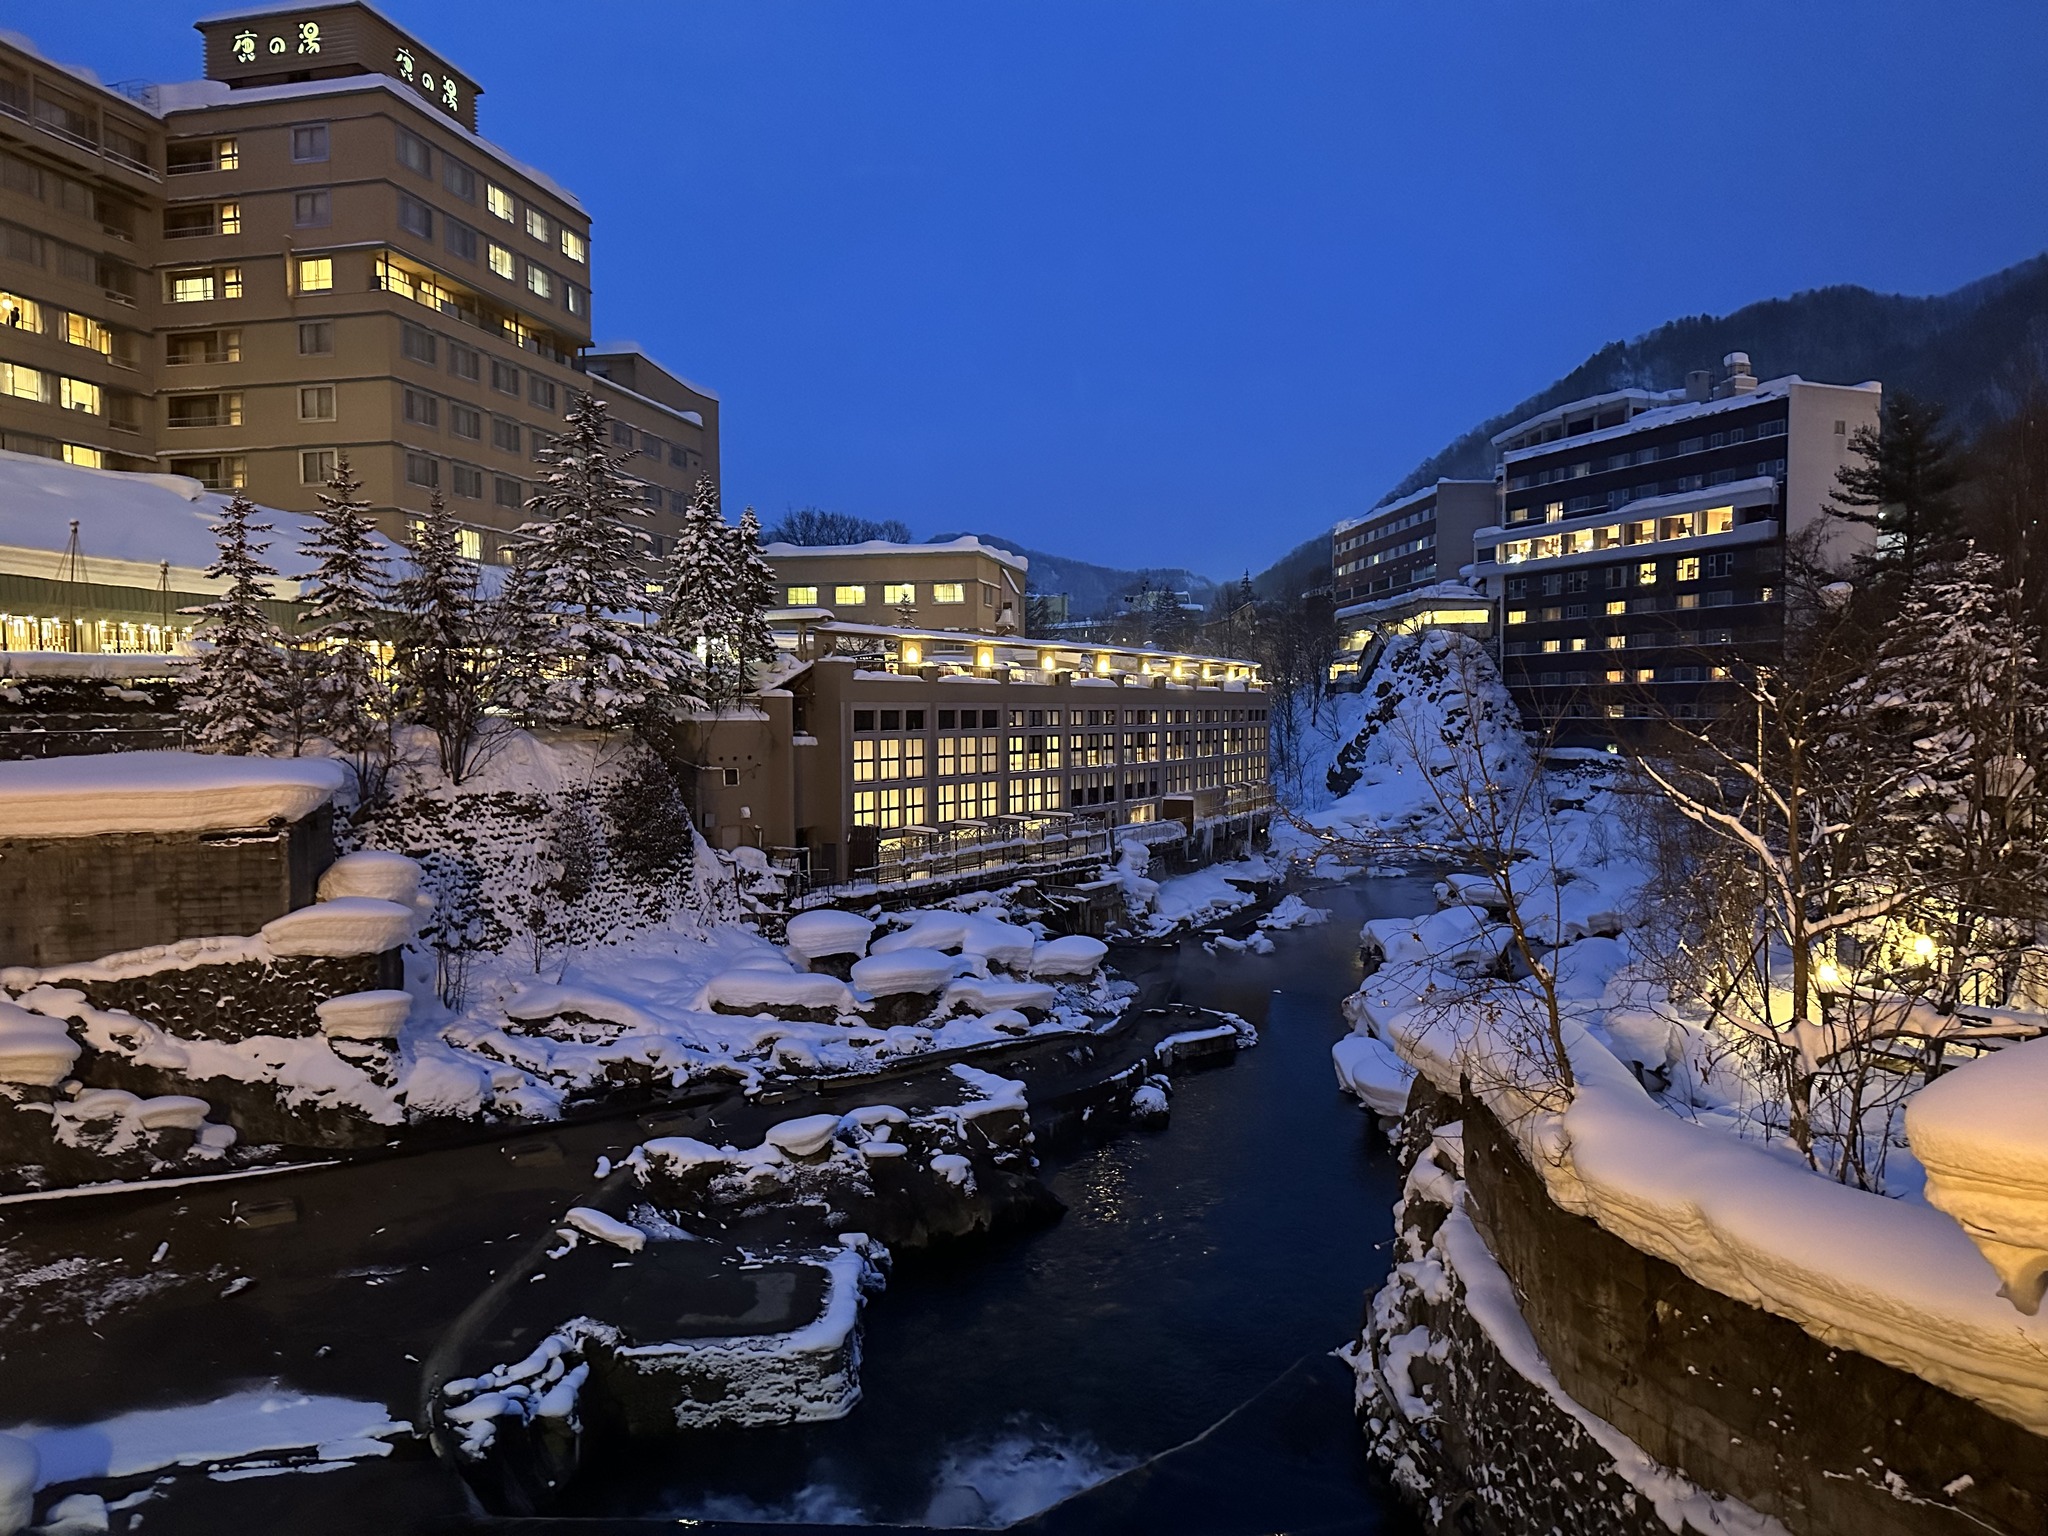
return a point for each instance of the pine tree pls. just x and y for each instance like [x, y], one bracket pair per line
[1903, 488]
[235, 701]
[340, 629]
[439, 667]
[694, 587]
[596, 666]
[750, 595]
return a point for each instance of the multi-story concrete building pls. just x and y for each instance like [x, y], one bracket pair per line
[962, 584]
[311, 251]
[880, 737]
[1634, 560]
[1421, 538]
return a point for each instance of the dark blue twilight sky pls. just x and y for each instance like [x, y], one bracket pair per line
[1183, 281]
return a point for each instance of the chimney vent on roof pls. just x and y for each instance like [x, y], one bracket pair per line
[1699, 384]
[1739, 380]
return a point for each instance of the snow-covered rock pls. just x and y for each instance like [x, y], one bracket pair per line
[828, 931]
[34, 1049]
[905, 970]
[803, 1137]
[984, 996]
[967, 932]
[372, 872]
[1378, 1077]
[1074, 955]
[374, 1015]
[1453, 937]
[752, 991]
[160, 792]
[606, 1229]
[1981, 1132]
[348, 925]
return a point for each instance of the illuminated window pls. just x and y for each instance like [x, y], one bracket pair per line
[537, 225]
[1619, 605]
[1515, 553]
[803, 597]
[231, 218]
[84, 331]
[230, 154]
[499, 202]
[1617, 642]
[574, 246]
[316, 274]
[1553, 512]
[17, 313]
[949, 592]
[895, 592]
[852, 596]
[1552, 647]
[1720, 519]
[1688, 599]
[1646, 574]
[191, 287]
[88, 458]
[1689, 568]
[78, 395]
[1614, 711]
[1518, 615]
[469, 543]
[540, 281]
[1646, 674]
[231, 282]
[23, 383]
[1578, 642]
[501, 261]
[1617, 676]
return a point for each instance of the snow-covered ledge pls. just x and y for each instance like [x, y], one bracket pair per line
[1981, 1132]
[160, 792]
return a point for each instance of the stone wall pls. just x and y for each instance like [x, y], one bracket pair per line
[70, 899]
[1743, 1402]
[250, 997]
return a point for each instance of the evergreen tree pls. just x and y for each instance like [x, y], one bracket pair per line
[235, 701]
[340, 629]
[750, 594]
[694, 585]
[439, 665]
[1903, 487]
[594, 665]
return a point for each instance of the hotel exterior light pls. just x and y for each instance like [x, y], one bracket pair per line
[1101, 663]
[913, 653]
[1047, 661]
[1923, 948]
[984, 656]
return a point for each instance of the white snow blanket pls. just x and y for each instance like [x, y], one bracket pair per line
[965, 932]
[34, 1048]
[372, 872]
[829, 932]
[376, 1015]
[347, 925]
[749, 989]
[160, 792]
[905, 970]
[1074, 955]
[1981, 1132]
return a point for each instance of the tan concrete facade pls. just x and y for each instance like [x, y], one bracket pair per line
[308, 253]
[964, 584]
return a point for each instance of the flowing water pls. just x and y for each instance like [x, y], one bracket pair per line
[1192, 1270]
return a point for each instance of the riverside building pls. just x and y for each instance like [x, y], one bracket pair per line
[963, 584]
[311, 250]
[1641, 540]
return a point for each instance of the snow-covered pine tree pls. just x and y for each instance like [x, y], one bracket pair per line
[751, 595]
[348, 586]
[236, 697]
[598, 667]
[696, 582]
[439, 667]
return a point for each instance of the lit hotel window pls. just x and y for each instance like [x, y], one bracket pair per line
[574, 246]
[949, 592]
[499, 201]
[803, 597]
[895, 592]
[1518, 615]
[316, 274]
[501, 261]
[191, 287]
[851, 596]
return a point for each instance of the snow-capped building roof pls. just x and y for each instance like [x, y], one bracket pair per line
[967, 543]
[634, 349]
[128, 526]
[1435, 592]
[1669, 415]
[160, 792]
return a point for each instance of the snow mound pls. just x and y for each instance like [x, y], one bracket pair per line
[1981, 1132]
[1074, 955]
[1379, 1078]
[989, 996]
[966, 932]
[34, 1049]
[745, 990]
[372, 872]
[348, 925]
[829, 932]
[804, 1137]
[606, 1229]
[160, 792]
[905, 970]
[364, 1015]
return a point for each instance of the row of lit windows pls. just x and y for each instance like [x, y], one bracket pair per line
[1394, 552]
[1648, 530]
[965, 756]
[1628, 676]
[1354, 537]
[20, 382]
[894, 594]
[1615, 606]
[23, 314]
[964, 719]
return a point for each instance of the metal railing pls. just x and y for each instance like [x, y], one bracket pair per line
[1010, 845]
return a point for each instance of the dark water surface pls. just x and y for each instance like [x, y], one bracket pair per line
[1192, 1270]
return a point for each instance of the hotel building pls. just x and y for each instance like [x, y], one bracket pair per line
[309, 251]
[963, 584]
[1641, 540]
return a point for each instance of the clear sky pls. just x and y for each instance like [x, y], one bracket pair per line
[1182, 282]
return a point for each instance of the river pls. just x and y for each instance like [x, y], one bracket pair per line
[1193, 1270]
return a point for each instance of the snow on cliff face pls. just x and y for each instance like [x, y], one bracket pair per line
[160, 792]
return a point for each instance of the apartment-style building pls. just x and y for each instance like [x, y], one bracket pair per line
[1410, 542]
[1633, 560]
[962, 584]
[307, 252]
[880, 740]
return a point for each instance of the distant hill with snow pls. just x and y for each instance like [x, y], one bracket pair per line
[1975, 350]
[1093, 590]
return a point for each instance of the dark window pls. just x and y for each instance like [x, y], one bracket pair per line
[421, 470]
[506, 492]
[541, 391]
[622, 434]
[415, 217]
[458, 178]
[675, 455]
[422, 410]
[463, 362]
[461, 238]
[316, 338]
[504, 378]
[309, 142]
[469, 481]
[947, 719]
[863, 719]
[988, 718]
[312, 210]
[416, 344]
[504, 434]
[892, 719]
[465, 422]
[414, 154]
[913, 720]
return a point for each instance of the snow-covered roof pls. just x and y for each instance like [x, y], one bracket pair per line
[1435, 592]
[1668, 415]
[634, 349]
[128, 524]
[1583, 403]
[193, 95]
[160, 792]
[79, 72]
[967, 543]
